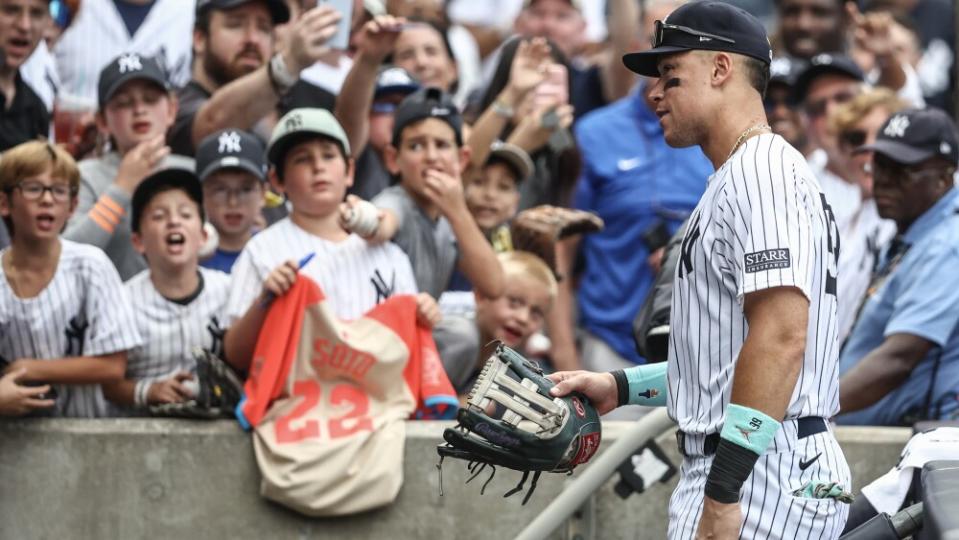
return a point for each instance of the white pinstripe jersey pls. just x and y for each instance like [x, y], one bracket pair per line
[83, 311]
[763, 222]
[353, 274]
[170, 330]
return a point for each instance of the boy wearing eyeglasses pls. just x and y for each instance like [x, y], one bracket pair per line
[232, 166]
[66, 322]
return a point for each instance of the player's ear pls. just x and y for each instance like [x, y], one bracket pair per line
[722, 68]
[350, 171]
[389, 159]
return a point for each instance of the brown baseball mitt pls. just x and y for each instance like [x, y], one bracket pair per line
[538, 229]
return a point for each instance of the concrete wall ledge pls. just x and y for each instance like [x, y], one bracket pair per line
[156, 479]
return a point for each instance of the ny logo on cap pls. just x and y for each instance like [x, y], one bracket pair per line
[293, 123]
[897, 126]
[130, 62]
[229, 143]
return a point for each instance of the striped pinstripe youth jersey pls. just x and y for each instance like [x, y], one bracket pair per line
[354, 274]
[83, 311]
[172, 330]
[762, 223]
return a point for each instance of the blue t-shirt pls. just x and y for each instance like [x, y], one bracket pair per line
[919, 297]
[133, 14]
[633, 180]
[221, 260]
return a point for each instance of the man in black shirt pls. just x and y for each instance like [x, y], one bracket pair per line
[239, 73]
[23, 115]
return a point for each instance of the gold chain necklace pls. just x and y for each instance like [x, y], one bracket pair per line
[742, 137]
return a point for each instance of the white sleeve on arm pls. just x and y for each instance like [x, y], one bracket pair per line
[772, 220]
[109, 309]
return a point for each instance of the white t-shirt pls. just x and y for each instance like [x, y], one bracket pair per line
[354, 275]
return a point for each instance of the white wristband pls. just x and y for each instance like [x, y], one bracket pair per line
[141, 392]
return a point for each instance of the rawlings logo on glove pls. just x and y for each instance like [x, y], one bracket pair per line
[535, 431]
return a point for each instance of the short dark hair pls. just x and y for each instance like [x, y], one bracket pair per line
[300, 138]
[757, 72]
[202, 21]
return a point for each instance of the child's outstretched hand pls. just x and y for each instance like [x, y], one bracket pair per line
[427, 310]
[360, 217]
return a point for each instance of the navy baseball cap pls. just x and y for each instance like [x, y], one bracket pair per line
[823, 64]
[125, 68]
[427, 103]
[279, 11]
[915, 135]
[231, 149]
[160, 181]
[710, 26]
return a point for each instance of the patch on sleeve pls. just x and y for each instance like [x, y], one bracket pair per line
[769, 259]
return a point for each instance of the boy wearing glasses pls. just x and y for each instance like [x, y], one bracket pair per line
[65, 319]
[232, 166]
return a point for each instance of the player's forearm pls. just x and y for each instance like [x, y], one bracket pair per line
[355, 99]
[79, 369]
[240, 104]
[240, 339]
[767, 370]
[477, 258]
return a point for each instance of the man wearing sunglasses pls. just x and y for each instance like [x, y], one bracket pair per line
[901, 361]
[751, 374]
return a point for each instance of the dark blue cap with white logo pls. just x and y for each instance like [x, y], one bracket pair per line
[427, 103]
[915, 135]
[710, 26]
[231, 149]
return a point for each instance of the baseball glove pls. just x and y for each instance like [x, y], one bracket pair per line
[536, 432]
[219, 390]
[537, 229]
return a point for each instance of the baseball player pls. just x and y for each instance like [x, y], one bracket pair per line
[752, 369]
[65, 318]
[176, 303]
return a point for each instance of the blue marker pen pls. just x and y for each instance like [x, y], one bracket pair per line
[299, 266]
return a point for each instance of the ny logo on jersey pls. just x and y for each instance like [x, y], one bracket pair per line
[76, 333]
[686, 249]
[216, 335]
[229, 143]
[383, 290]
[130, 62]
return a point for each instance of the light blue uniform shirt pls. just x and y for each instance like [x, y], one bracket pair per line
[920, 297]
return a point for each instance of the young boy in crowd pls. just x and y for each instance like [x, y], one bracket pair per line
[512, 318]
[176, 303]
[310, 162]
[231, 165]
[136, 108]
[65, 318]
[426, 214]
[492, 193]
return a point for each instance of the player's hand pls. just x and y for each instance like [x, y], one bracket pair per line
[280, 280]
[600, 388]
[719, 521]
[427, 310]
[446, 192]
[142, 160]
[307, 37]
[170, 390]
[377, 37]
[529, 66]
[17, 400]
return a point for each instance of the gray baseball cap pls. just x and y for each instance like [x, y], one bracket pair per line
[514, 156]
[304, 122]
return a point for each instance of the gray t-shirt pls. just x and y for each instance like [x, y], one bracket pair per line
[430, 245]
[102, 217]
[458, 342]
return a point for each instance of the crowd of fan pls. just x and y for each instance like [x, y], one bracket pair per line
[203, 153]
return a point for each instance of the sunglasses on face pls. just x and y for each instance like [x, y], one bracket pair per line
[853, 138]
[662, 27]
[817, 108]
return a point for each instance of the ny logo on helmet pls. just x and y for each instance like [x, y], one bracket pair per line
[229, 143]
